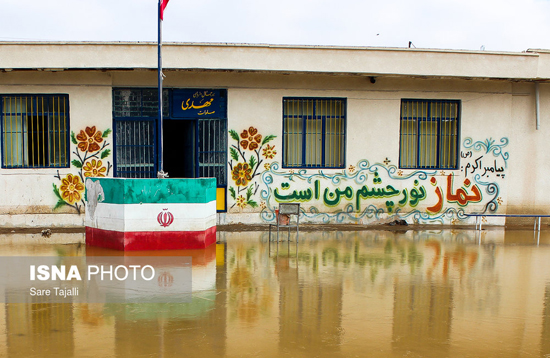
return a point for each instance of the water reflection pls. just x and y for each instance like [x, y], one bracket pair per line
[545, 335]
[310, 308]
[379, 294]
[39, 329]
[422, 318]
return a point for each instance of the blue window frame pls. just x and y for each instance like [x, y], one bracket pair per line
[213, 149]
[35, 130]
[429, 134]
[138, 102]
[135, 150]
[135, 112]
[314, 132]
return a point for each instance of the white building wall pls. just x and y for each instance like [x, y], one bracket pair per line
[497, 125]
[373, 112]
[30, 191]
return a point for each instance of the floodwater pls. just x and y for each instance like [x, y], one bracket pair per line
[332, 294]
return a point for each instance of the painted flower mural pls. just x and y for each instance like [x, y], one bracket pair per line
[251, 139]
[269, 152]
[89, 155]
[241, 201]
[94, 168]
[71, 189]
[248, 153]
[242, 174]
[89, 139]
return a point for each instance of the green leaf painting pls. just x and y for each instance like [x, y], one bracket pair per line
[252, 162]
[60, 202]
[76, 163]
[105, 153]
[234, 135]
[56, 192]
[268, 138]
[234, 154]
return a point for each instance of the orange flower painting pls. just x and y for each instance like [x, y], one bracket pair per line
[90, 159]
[71, 188]
[269, 151]
[242, 174]
[89, 139]
[94, 168]
[241, 201]
[251, 139]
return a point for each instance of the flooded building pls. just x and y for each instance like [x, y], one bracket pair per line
[355, 135]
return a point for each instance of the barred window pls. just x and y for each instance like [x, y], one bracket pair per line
[213, 149]
[135, 148]
[429, 134]
[134, 112]
[314, 133]
[35, 131]
[139, 102]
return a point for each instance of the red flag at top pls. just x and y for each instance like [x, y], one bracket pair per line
[163, 4]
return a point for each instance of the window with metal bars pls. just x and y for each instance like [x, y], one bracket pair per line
[314, 132]
[139, 102]
[213, 149]
[35, 131]
[429, 134]
[135, 111]
[135, 148]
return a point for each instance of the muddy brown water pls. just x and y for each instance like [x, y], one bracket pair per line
[431, 293]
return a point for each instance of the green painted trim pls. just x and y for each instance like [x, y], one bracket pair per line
[153, 191]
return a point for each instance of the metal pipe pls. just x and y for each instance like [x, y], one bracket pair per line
[159, 124]
[537, 104]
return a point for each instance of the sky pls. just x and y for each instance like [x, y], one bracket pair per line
[490, 25]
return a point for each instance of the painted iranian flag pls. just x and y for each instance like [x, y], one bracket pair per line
[150, 214]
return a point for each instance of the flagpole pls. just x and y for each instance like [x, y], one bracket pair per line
[161, 173]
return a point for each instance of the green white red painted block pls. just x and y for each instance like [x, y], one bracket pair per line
[150, 214]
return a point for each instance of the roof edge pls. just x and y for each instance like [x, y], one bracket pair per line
[529, 52]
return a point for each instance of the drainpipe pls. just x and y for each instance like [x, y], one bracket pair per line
[537, 104]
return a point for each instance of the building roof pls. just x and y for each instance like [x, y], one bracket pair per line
[532, 65]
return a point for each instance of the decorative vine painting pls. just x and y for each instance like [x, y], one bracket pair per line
[91, 150]
[372, 191]
[247, 155]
